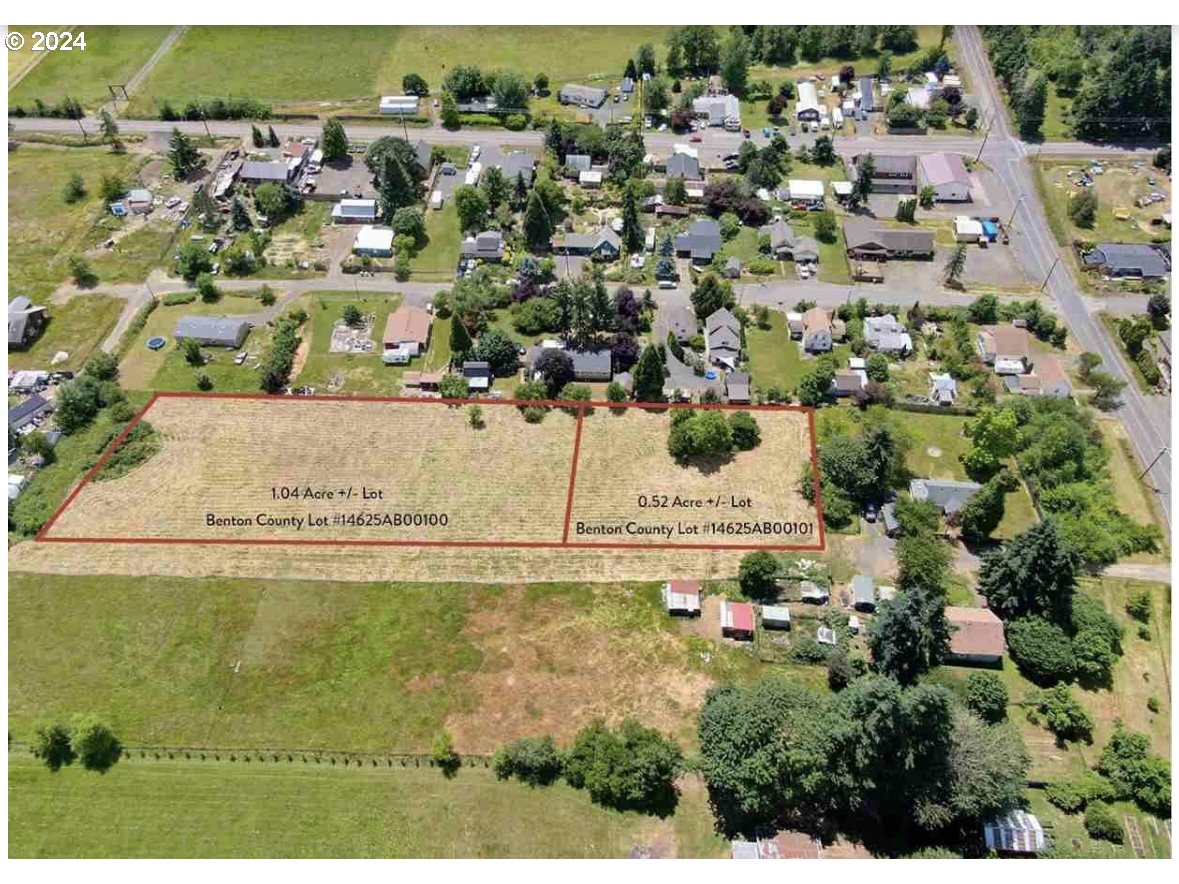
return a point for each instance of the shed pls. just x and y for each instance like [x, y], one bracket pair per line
[775, 616]
[478, 375]
[592, 365]
[139, 201]
[825, 635]
[892, 524]
[682, 597]
[737, 620]
[737, 387]
[853, 624]
[590, 178]
[863, 593]
[212, 331]
[813, 593]
[1017, 832]
[400, 104]
[354, 212]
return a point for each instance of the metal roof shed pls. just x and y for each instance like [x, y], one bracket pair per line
[863, 592]
[775, 616]
[1017, 832]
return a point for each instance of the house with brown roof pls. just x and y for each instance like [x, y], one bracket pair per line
[1053, 381]
[868, 240]
[816, 331]
[408, 328]
[1006, 347]
[977, 637]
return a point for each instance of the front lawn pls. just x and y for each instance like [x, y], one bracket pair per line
[77, 327]
[774, 359]
[437, 259]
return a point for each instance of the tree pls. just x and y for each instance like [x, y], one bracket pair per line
[877, 367]
[711, 294]
[239, 217]
[983, 511]
[472, 206]
[538, 227]
[648, 376]
[645, 59]
[352, 316]
[923, 562]
[334, 143]
[993, 434]
[862, 186]
[1106, 390]
[193, 260]
[510, 92]
[825, 226]
[1082, 209]
[1101, 821]
[108, 126]
[444, 756]
[1135, 774]
[460, 340]
[1041, 649]
[1029, 103]
[734, 65]
[823, 153]
[986, 696]
[988, 767]
[272, 200]
[94, 744]
[51, 743]
[699, 435]
[541, 83]
[183, 156]
[971, 119]
[256, 136]
[909, 635]
[757, 575]
[556, 370]
[907, 211]
[190, 349]
[82, 274]
[497, 349]
[415, 84]
[816, 384]
[450, 114]
[74, 190]
[632, 228]
[633, 768]
[533, 760]
[927, 197]
[1064, 716]
[397, 187]
[1158, 308]
[207, 289]
[452, 386]
[746, 432]
[676, 192]
[408, 221]
[1033, 574]
[272, 137]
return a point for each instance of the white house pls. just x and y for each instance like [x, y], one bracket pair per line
[816, 331]
[376, 242]
[805, 193]
[886, 334]
[946, 174]
[808, 103]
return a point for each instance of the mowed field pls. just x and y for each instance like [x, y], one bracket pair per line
[505, 481]
[192, 809]
[626, 475]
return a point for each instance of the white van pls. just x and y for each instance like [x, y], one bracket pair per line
[667, 283]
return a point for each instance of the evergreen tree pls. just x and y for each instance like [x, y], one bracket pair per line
[648, 376]
[909, 635]
[396, 187]
[519, 193]
[954, 267]
[862, 187]
[495, 187]
[239, 216]
[555, 140]
[601, 307]
[538, 229]
[183, 156]
[256, 136]
[632, 229]
[334, 141]
[1032, 575]
[110, 129]
[272, 137]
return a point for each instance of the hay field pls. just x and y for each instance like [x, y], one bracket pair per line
[624, 461]
[506, 481]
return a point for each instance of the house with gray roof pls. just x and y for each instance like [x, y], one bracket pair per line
[261, 173]
[786, 245]
[702, 240]
[24, 413]
[718, 110]
[519, 164]
[887, 335]
[863, 589]
[1127, 260]
[486, 246]
[478, 375]
[26, 321]
[680, 165]
[948, 495]
[212, 331]
[723, 333]
[891, 173]
[581, 96]
[603, 244]
[592, 365]
[737, 387]
[868, 240]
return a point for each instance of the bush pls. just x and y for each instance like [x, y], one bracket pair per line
[532, 760]
[94, 744]
[1064, 716]
[1075, 795]
[757, 574]
[633, 768]
[1041, 650]
[1139, 606]
[1134, 773]
[746, 432]
[179, 298]
[986, 696]
[445, 758]
[51, 743]
[1102, 822]
[515, 122]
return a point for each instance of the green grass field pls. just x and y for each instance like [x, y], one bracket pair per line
[44, 230]
[145, 808]
[774, 359]
[112, 55]
[437, 259]
[76, 327]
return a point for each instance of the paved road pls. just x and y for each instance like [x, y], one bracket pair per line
[1147, 418]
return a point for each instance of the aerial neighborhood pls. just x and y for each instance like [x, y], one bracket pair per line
[751, 444]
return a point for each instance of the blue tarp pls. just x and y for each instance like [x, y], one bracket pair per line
[991, 230]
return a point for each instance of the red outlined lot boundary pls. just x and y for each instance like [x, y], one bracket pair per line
[44, 535]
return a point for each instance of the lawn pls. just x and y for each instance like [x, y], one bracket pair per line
[140, 366]
[24, 58]
[76, 327]
[1118, 187]
[147, 808]
[113, 54]
[774, 359]
[44, 230]
[1068, 837]
[437, 259]
[1133, 496]
[136, 254]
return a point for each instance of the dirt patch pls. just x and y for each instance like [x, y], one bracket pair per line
[552, 667]
[301, 353]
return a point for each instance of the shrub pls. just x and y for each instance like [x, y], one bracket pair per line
[986, 696]
[204, 382]
[746, 432]
[179, 298]
[532, 760]
[632, 768]
[1064, 716]
[515, 122]
[445, 758]
[1139, 606]
[757, 574]
[1102, 822]
[1041, 650]
[1073, 796]
[1134, 773]
[51, 743]
[1152, 703]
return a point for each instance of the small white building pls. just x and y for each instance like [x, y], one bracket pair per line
[376, 242]
[775, 616]
[436, 200]
[591, 179]
[400, 104]
[682, 597]
[967, 229]
[805, 192]
[354, 212]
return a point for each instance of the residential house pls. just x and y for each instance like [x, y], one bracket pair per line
[478, 375]
[775, 616]
[867, 99]
[681, 322]
[737, 620]
[26, 321]
[682, 597]
[868, 240]
[943, 389]
[592, 365]
[27, 381]
[816, 331]
[849, 382]
[737, 388]
[701, 242]
[662, 211]
[804, 193]
[842, 190]
[27, 412]
[681, 165]
[948, 495]
[139, 201]
[519, 164]
[212, 331]
[891, 174]
[887, 335]
[946, 174]
[376, 242]
[1127, 261]
[576, 163]
[354, 212]
[484, 104]
[603, 244]
[485, 246]
[401, 105]
[1047, 379]
[723, 333]
[719, 110]
[408, 328]
[1006, 347]
[1016, 833]
[807, 109]
[977, 637]
[581, 96]
[863, 589]
[257, 172]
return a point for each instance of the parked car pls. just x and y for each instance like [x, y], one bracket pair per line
[870, 513]
[696, 138]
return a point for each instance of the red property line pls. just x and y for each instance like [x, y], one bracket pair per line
[42, 536]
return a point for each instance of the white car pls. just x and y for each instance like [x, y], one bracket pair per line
[475, 151]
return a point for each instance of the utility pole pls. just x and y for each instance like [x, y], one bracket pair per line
[1157, 457]
[78, 120]
[1049, 276]
[1013, 211]
[986, 135]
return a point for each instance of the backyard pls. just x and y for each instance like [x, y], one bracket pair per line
[437, 259]
[77, 327]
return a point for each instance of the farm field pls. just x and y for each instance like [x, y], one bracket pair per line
[1117, 188]
[44, 230]
[21, 60]
[182, 809]
[113, 55]
[76, 327]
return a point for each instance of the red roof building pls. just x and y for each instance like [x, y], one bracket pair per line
[682, 597]
[737, 620]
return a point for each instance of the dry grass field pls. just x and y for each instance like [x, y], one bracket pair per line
[626, 475]
[506, 481]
